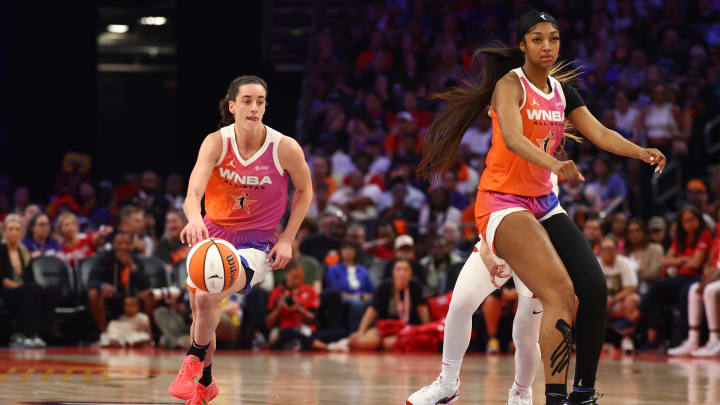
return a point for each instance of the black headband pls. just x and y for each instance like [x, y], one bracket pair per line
[529, 20]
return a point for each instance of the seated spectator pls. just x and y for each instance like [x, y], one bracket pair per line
[131, 329]
[413, 197]
[436, 264]
[383, 246]
[593, 232]
[627, 117]
[313, 269]
[395, 144]
[399, 210]
[405, 250]
[117, 274]
[657, 228]
[606, 185]
[618, 229]
[704, 292]
[30, 305]
[94, 213]
[293, 308]
[438, 213]
[174, 194]
[646, 256]
[399, 298]
[322, 173]
[132, 221]
[321, 202]
[320, 245]
[622, 285]
[449, 183]
[358, 201]
[152, 202]
[170, 249]
[683, 263]
[38, 240]
[696, 194]
[661, 122]
[174, 320]
[77, 246]
[353, 281]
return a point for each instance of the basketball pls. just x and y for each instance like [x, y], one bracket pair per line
[213, 265]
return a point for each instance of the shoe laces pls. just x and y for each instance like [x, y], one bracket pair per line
[185, 369]
[437, 388]
[593, 400]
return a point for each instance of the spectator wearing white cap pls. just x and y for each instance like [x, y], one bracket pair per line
[405, 249]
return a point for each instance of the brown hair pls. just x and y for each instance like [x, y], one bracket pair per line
[682, 235]
[467, 101]
[226, 118]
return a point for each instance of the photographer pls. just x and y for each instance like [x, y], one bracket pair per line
[292, 309]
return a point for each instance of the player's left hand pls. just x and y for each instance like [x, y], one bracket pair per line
[653, 156]
[280, 254]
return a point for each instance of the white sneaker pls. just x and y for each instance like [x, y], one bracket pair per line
[707, 350]
[684, 349]
[435, 393]
[342, 345]
[627, 344]
[517, 397]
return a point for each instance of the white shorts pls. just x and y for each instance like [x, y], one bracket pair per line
[256, 260]
[495, 219]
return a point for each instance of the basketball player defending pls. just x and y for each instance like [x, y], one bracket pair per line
[242, 170]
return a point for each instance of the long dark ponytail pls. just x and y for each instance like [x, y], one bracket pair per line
[465, 103]
[226, 118]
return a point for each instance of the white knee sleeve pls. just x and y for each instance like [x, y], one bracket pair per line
[526, 331]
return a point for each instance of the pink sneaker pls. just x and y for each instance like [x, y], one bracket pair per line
[183, 386]
[204, 394]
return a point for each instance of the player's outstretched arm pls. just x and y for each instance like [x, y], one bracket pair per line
[210, 150]
[292, 159]
[612, 141]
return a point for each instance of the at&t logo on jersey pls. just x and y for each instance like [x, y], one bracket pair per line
[249, 180]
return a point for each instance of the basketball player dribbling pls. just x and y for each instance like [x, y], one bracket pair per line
[517, 215]
[242, 170]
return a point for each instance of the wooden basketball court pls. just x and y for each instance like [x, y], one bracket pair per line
[142, 376]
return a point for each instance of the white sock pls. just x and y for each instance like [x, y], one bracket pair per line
[714, 337]
[472, 287]
[516, 387]
[526, 331]
[694, 336]
[695, 306]
[450, 371]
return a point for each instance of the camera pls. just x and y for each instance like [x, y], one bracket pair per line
[289, 300]
[165, 293]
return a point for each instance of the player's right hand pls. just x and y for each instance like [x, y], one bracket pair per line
[566, 169]
[194, 232]
[497, 267]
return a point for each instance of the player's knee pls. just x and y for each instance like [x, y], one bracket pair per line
[205, 302]
[462, 304]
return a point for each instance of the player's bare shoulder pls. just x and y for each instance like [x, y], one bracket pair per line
[211, 147]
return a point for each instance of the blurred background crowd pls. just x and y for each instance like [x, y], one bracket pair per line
[101, 260]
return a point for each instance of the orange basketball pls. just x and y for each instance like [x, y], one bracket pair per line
[213, 265]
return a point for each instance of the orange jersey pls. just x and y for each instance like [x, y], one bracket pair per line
[543, 123]
[247, 195]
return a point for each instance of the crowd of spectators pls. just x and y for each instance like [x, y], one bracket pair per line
[379, 248]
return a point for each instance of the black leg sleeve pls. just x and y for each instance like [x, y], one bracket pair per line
[591, 290]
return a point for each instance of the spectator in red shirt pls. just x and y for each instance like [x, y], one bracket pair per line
[404, 125]
[683, 264]
[75, 245]
[293, 307]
